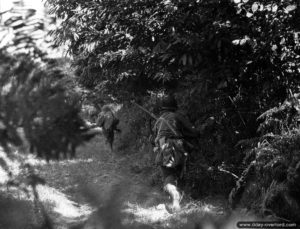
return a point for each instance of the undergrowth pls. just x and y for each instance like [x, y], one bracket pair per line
[270, 183]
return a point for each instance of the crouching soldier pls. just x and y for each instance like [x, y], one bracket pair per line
[108, 121]
[172, 130]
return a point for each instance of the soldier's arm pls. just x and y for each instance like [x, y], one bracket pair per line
[154, 137]
[187, 127]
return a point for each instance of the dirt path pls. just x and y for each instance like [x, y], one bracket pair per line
[102, 191]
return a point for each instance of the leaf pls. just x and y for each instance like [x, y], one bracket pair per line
[290, 8]
[236, 42]
[274, 48]
[261, 8]
[165, 57]
[249, 14]
[255, 7]
[274, 8]
[243, 41]
[75, 36]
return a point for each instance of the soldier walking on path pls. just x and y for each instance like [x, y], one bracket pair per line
[108, 121]
[172, 132]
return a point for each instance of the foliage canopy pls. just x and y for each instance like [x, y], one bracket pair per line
[39, 101]
[230, 59]
[224, 58]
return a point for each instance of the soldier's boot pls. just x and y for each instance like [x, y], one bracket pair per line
[175, 195]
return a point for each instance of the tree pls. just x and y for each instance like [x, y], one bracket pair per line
[37, 95]
[40, 107]
[216, 50]
[229, 59]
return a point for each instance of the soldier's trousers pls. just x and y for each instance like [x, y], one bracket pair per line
[171, 175]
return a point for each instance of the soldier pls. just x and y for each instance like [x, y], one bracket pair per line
[172, 131]
[108, 121]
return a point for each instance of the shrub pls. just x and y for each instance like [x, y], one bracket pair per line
[273, 187]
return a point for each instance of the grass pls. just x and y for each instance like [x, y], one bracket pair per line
[101, 188]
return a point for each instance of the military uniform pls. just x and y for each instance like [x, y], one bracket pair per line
[108, 122]
[172, 131]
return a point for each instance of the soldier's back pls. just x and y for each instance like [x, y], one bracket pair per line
[105, 120]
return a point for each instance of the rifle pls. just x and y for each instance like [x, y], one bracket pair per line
[183, 171]
[156, 118]
[219, 168]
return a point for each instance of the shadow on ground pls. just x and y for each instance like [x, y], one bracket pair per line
[98, 190]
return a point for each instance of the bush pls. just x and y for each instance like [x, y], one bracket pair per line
[273, 185]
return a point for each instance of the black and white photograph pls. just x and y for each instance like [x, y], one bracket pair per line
[149, 114]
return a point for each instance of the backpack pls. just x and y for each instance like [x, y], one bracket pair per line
[171, 153]
[107, 120]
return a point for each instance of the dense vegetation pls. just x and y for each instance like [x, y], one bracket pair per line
[222, 58]
[226, 61]
[230, 60]
[39, 102]
[40, 109]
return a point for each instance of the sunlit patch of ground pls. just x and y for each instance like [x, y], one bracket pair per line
[160, 217]
[61, 209]
[95, 166]
[80, 192]
[61, 203]
[33, 160]
[193, 215]
[150, 215]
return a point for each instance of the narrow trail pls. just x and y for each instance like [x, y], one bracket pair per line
[99, 190]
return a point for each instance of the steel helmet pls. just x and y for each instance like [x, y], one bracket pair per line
[169, 102]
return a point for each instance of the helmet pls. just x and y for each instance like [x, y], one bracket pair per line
[169, 103]
[106, 108]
